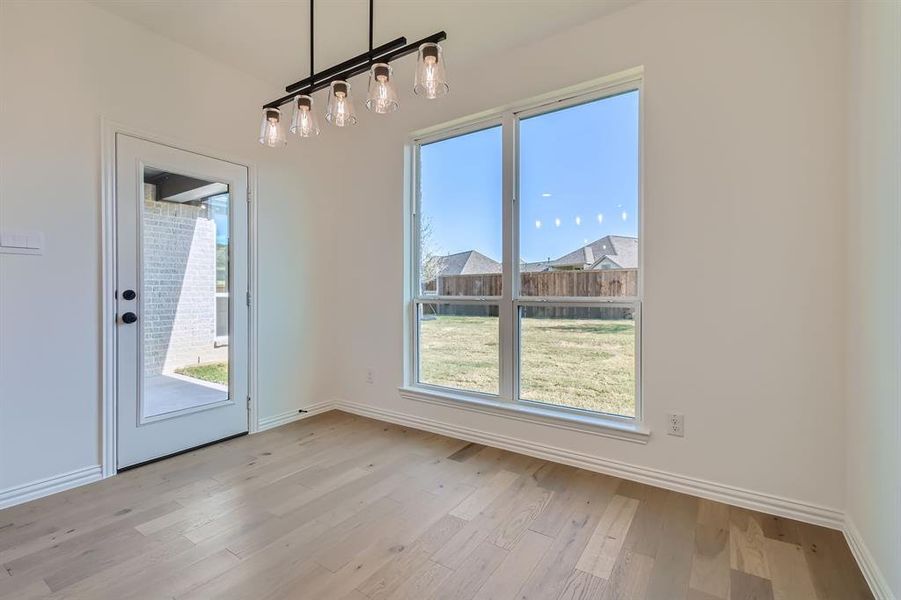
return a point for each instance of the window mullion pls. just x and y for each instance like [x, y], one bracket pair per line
[411, 370]
[506, 310]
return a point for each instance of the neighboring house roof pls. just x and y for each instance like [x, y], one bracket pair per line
[610, 251]
[620, 250]
[606, 262]
[533, 267]
[466, 263]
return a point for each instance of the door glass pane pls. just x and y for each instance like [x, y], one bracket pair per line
[580, 357]
[458, 346]
[578, 187]
[185, 304]
[460, 187]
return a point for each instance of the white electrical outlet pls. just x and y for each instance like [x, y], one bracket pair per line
[370, 376]
[675, 424]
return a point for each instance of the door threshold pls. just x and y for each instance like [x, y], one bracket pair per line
[174, 454]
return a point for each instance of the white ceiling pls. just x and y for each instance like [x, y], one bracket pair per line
[270, 38]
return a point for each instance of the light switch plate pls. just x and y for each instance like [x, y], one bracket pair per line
[21, 242]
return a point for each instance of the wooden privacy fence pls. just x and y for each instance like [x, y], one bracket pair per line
[601, 283]
[605, 282]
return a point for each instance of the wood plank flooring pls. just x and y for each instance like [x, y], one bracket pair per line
[346, 508]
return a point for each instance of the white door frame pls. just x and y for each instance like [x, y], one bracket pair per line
[108, 131]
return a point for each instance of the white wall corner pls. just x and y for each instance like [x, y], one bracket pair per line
[51, 485]
[868, 566]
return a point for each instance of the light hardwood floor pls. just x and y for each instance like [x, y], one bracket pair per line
[338, 506]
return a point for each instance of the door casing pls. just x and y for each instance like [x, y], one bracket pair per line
[108, 131]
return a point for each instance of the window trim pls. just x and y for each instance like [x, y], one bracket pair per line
[592, 423]
[509, 302]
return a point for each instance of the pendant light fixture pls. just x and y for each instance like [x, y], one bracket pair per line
[304, 122]
[430, 81]
[271, 132]
[340, 105]
[382, 97]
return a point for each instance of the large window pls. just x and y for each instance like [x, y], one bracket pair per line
[526, 256]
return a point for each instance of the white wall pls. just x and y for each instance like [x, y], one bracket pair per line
[745, 181]
[63, 65]
[874, 327]
[745, 116]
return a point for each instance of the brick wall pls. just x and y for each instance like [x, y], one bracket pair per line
[179, 285]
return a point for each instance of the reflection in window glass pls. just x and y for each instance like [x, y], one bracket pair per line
[578, 188]
[458, 346]
[579, 357]
[460, 182]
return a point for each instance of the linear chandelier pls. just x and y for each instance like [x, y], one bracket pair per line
[430, 81]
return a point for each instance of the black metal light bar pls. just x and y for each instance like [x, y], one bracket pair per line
[355, 66]
[369, 56]
[362, 68]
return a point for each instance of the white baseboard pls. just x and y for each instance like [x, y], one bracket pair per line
[767, 503]
[871, 571]
[775, 505]
[79, 477]
[293, 415]
[51, 485]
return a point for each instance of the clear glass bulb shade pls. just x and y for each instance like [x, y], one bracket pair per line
[340, 111]
[271, 131]
[382, 97]
[430, 79]
[304, 122]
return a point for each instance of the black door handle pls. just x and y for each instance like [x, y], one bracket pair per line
[129, 318]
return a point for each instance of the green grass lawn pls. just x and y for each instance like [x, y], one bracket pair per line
[212, 372]
[583, 363]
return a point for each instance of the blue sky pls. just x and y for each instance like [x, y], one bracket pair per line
[578, 182]
[219, 206]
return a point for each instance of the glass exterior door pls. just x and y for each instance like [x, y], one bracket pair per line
[182, 340]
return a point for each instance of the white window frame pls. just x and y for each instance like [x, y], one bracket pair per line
[507, 401]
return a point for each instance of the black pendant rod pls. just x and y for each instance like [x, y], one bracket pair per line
[312, 47]
[371, 20]
[354, 66]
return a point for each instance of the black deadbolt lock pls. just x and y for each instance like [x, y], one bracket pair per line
[129, 294]
[129, 318]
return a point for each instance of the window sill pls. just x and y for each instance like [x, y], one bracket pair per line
[594, 425]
